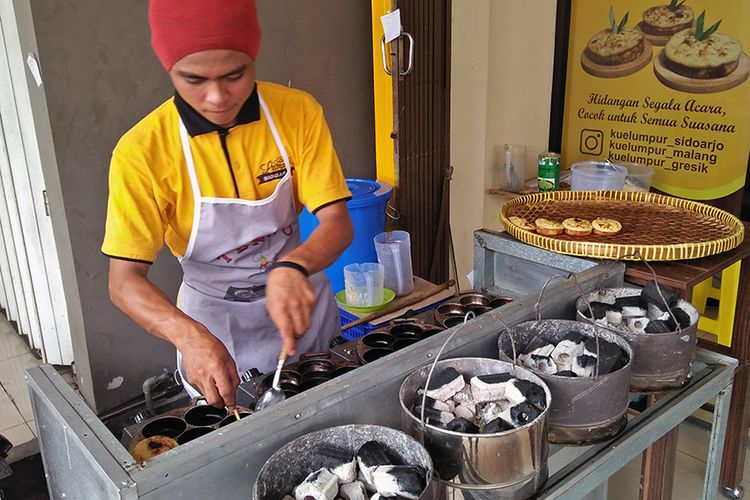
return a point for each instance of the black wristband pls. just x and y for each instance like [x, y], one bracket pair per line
[290, 265]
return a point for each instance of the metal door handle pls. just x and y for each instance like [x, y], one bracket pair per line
[411, 54]
[385, 59]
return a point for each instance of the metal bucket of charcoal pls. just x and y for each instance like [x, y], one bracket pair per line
[587, 369]
[663, 351]
[485, 426]
[350, 461]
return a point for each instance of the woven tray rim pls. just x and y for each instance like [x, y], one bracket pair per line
[618, 251]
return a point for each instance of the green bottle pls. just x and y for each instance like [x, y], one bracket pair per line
[549, 171]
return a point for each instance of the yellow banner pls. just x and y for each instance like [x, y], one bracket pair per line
[652, 93]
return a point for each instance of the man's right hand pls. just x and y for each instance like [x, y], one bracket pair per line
[206, 362]
[208, 367]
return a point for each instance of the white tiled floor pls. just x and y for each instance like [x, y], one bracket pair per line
[16, 418]
[17, 424]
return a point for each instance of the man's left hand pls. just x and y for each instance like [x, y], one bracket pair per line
[290, 299]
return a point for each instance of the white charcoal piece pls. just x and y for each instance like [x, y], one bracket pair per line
[445, 384]
[486, 388]
[465, 411]
[353, 491]
[489, 412]
[638, 325]
[320, 485]
[404, 481]
[565, 352]
[614, 318]
[463, 396]
[633, 312]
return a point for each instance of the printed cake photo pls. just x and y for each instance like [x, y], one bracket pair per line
[702, 53]
[616, 51]
[666, 20]
[615, 45]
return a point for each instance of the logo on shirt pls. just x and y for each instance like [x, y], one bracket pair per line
[273, 170]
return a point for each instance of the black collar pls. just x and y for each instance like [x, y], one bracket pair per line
[196, 124]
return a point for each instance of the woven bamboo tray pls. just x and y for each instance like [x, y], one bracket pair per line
[654, 226]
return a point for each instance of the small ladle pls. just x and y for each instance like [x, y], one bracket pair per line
[274, 394]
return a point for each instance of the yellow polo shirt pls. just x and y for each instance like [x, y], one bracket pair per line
[150, 196]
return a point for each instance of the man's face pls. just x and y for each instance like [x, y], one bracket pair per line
[216, 83]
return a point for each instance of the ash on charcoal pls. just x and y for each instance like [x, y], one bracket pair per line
[537, 345]
[319, 485]
[564, 353]
[541, 364]
[341, 463]
[445, 384]
[633, 312]
[614, 318]
[637, 325]
[584, 366]
[405, 481]
[463, 397]
[353, 491]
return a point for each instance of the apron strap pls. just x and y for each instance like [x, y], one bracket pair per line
[277, 139]
[194, 184]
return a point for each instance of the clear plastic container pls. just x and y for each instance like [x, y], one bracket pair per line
[597, 176]
[364, 284]
[639, 177]
[394, 252]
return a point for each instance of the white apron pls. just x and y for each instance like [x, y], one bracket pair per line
[232, 242]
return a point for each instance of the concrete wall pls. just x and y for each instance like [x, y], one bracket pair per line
[501, 81]
[101, 77]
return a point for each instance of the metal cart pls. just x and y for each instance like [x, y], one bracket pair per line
[83, 459]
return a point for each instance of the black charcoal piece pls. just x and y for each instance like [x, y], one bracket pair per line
[497, 425]
[403, 481]
[605, 348]
[659, 326]
[532, 392]
[650, 295]
[585, 366]
[430, 413]
[523, 413]
[495, 378]
[372, 454]
[445, 384]
[599, 309]
[341, 463]
[444, 377]
[535, 343]
[566, 373]
[633, 301]
[575, 337]
[683, 318]
[462, 425]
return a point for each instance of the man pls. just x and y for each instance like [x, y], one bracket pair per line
[220, 172]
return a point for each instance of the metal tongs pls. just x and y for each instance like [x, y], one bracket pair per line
[273, 395]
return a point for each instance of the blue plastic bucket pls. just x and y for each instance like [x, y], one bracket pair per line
[367, 211]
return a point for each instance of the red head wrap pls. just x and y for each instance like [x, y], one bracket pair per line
[182, 27]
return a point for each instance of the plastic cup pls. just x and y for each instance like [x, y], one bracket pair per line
[364, 284]
[639, 177]
[597, 176]
[394, 252]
